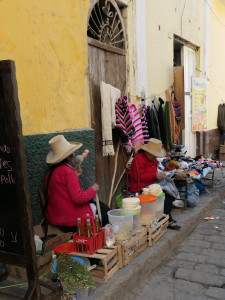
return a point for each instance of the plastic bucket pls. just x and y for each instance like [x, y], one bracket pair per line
[148, 208]
[136, 220]
[160, 206]
[122, 222]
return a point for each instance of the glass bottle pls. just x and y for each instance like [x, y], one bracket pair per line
[79, 233]
[79, 228]
[97, 226]
[89, 232]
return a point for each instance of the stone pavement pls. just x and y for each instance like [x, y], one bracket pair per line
[194, 271]
[138, 273]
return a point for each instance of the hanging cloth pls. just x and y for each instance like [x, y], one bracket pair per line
[176, 106]
[169, 143]
[151, 125]
[155, 120]
[221, 117]
[162, 121]
[124, 124]
[137, 138]
[109, 95]
[144, 125]
[172, 118]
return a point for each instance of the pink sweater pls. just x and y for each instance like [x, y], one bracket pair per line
[66, 199]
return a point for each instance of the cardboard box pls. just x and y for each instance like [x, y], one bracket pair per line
[22, 272]
[222, 149]
[47, 256]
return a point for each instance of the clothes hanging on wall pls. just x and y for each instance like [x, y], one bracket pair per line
[109, 96]
[151, 125]
[169, 143]
[155, 120]
[221, 118]
[144, 125]
[162, 121]
[124, 124]
[137, 138]
[176, 106]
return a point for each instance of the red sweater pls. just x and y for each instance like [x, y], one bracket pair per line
[66, 199]
[147, 172]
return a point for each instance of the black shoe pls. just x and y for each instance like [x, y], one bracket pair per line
[176, 227]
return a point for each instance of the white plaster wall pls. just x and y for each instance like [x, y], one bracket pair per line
[141, 48]
[180, 17]
[216, 68]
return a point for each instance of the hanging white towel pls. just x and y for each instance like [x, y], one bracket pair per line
[109, 96]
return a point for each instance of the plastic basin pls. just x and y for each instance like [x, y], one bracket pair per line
[148, 209]
[122, 222]
[160, 206]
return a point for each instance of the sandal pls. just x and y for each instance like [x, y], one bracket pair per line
[176, 227]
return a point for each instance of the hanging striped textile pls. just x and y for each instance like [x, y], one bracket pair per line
[172, 118]
[144, 125]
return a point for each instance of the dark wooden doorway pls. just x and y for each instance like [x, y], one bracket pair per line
[107, 63]
[109, 67]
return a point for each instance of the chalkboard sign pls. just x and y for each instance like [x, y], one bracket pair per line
[17, 245]
[10, 232]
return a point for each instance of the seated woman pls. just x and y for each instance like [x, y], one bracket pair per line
[65, 199]
[148, 174]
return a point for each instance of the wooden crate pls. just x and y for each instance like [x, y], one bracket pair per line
[155, 233]
[111, 260]
[134, 246]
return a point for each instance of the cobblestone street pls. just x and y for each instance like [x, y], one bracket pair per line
[195, 270]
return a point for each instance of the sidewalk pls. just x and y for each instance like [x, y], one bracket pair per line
[195, 270]
[131, 276]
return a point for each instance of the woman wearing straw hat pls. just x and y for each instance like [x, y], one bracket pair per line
[148, 174]
[66, 201]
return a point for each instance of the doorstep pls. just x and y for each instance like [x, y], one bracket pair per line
[130, 276]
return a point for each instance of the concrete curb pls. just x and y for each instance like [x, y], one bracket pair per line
[150, 258]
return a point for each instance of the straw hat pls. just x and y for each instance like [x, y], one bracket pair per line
[154, 147]
[61, 149]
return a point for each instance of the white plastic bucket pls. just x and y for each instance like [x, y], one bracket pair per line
[122, 223]
[160, 206]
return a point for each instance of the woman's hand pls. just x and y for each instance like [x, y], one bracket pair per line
[78, 171]
[160, 175]
[95, 186]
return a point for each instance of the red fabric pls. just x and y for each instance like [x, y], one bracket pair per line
[147, 172]
[66, 199]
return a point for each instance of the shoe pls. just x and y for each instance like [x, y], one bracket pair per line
[176, 227]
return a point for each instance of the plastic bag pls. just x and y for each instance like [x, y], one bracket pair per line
[38, 243]
[119, 199]
[109, 236]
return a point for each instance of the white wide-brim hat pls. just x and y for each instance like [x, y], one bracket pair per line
[61, 149]
[154, 147]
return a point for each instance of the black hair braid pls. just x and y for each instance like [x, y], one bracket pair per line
[52, 168]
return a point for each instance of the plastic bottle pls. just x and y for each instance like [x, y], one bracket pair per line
[79, 232]
[97, 226]
[89, 232]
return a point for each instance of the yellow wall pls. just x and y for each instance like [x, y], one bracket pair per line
[167, 15]
[216, 60]
[48, 41]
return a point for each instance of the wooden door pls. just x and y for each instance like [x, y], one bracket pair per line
[109, 67]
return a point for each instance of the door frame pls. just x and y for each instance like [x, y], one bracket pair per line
[184, 132]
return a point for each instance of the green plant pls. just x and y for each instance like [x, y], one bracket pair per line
[72, 274]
